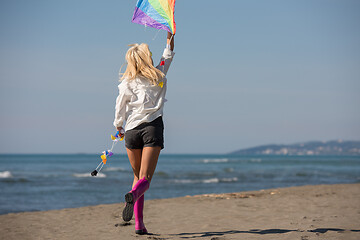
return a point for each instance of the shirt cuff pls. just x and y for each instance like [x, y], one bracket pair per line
[118, 123]
[168, 53]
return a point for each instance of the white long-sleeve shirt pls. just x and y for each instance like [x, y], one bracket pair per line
[139, 101]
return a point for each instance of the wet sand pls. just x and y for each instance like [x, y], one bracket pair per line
[307, 212]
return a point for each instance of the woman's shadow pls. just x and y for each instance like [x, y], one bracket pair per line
[256, 231]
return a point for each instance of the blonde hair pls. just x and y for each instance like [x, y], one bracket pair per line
[139, 63]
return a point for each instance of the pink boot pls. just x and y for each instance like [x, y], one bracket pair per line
[131, 197]
[138, 210]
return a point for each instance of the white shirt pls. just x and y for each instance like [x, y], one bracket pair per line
[139, 101]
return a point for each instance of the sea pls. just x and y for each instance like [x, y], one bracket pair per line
[46, 182]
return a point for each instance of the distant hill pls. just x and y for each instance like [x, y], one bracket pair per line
[338, 147]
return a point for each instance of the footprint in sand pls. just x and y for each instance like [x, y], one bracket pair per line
[122, 224]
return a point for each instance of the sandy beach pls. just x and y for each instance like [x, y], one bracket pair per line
[307, 212]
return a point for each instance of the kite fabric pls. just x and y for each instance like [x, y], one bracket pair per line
[156, 14]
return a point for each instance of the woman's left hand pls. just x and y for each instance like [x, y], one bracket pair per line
[121, 131]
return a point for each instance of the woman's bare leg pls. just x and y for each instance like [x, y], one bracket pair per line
[135, 161]
[149, 161]
[143, 162]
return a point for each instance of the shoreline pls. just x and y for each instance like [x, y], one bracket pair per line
[302, 212]
[250, 193]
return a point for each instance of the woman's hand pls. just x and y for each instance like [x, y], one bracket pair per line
[121, 131]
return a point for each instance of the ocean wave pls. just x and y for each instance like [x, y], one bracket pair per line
[185, 181]
[84, 175]
[209, 180]
[234, 179]
[6, 174]
[215, 160]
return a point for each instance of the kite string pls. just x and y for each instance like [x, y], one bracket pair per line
[114, 143]
[99, 165]
[156, 35]
[101, 168]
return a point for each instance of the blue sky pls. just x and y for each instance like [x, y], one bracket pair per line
[245, 73]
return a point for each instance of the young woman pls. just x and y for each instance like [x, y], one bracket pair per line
[140, 105]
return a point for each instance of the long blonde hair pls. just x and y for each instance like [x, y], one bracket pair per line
[139, 63]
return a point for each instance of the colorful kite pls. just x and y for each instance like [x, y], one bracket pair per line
[107, 153]
[156, 14]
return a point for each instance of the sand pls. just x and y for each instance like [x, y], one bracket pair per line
[307, 212]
